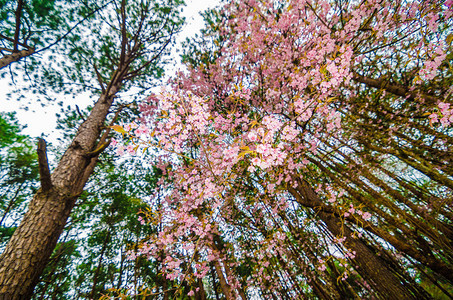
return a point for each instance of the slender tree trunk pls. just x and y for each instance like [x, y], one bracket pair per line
[31, 245]
[120, 275]
[370, 266]
[11, 203]
[214, 283]
[201, 293]
[230, 274]
[98, 269]
[223, 283]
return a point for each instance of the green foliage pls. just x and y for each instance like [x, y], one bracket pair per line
[103, 227]
[90, 56]
[18, 174]
[9, 129]
[201, 51]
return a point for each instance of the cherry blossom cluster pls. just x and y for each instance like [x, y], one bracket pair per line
[231, 136]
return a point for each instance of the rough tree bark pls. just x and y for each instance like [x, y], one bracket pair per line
[31, 245]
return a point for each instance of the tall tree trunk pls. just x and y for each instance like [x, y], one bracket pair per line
[214, 283]
[230, 274]
[223, 283]
[98, 269]
[31, 245]
[370, 266]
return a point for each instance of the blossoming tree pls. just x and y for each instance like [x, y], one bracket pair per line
[307, 152]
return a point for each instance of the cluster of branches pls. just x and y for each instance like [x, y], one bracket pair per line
[363, 209]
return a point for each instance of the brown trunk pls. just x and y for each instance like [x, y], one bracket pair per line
[98, 269]
[26, 254]
[58, 256]
[201, 293]
[120, 275]
[230, 274]
[429, 260]
[31, 245]
[223, 283]
[370, 266]
[214, 283]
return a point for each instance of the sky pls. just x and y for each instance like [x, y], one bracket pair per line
[41, 121]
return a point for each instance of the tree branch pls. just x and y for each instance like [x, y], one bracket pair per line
[46, 183]
[395, 89]
[101, 83]
[98, 150]
[80, 114]
[123, 32]
[17, 31]
[16, 56]
[12, 41]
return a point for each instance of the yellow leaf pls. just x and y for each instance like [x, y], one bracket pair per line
[449, 38]
[118, 128]
[243, 153]
[253, 123]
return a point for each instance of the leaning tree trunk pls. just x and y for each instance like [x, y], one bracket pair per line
[31, 245]
[370, 266]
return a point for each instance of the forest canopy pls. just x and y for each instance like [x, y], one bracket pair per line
[304, 152]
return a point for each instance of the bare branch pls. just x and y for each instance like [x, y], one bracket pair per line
[123, 32]
[80, 114]
[98, 150]
[12, 41]
[101, 83]
[16, 56]
[5, 49]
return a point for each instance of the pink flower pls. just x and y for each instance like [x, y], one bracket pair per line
[322, 268]
[142, 129]
[366, 216]
[252, 136]
[256, 161]
[120, 150]
[130, 149]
